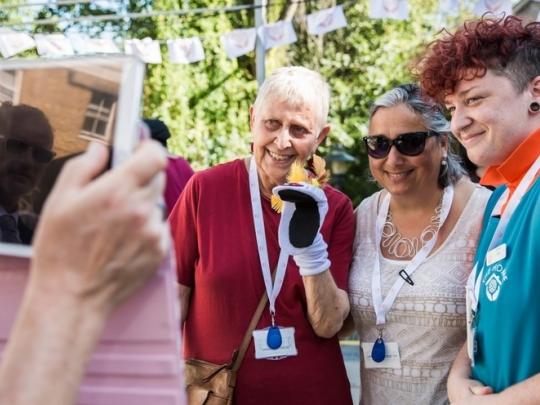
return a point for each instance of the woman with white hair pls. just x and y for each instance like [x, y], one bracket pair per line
[413, 250]
[226, 237]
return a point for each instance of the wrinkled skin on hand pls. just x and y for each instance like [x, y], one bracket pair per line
[102, 235]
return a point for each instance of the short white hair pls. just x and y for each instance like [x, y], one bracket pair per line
[299, 87]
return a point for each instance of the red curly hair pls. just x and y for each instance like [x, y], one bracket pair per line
[505, 46]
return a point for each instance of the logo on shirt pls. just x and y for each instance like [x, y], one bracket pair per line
[494, 281]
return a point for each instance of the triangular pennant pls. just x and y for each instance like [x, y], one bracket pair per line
[392, 9]
[277, 34]
[83, 44]
[53, 45]
[147, 49]
[12, 43]
[239, 42]
[185, 50]
[326, 20]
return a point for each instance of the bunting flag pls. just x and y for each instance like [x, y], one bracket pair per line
[277, 34]
[326, 20]
[235, 43]
[147, 49]
[12, 43]
[496, 7]
[185, 50]
[83, 44]
[239, 42]
[53, 45]
[393, 9]
[449, 7]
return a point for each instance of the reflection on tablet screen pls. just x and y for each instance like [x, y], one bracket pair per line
[48, 115]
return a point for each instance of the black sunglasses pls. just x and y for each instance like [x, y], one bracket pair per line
[408, 144]
[39, 154]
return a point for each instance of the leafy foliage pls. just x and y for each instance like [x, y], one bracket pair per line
[206, 104]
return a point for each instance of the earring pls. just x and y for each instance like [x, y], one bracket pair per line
[444, 168]
[251, 147]
[534, 107]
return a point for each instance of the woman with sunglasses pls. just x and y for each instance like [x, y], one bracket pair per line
[413, 249]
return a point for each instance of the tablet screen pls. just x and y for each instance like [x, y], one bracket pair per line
[49, 111]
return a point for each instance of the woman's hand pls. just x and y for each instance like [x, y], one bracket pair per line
[101, 237]
[98, 240]
[304, 209]
[466, 389]
[461, 387]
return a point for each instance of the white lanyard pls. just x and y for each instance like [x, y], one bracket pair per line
[382, 307]
[271, 290]
[513, 203]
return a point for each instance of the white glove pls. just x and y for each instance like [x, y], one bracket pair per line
[304, 209]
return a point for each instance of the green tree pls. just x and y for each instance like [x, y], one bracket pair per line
[206, 104]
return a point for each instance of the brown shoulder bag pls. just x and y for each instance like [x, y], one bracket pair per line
[213, 384]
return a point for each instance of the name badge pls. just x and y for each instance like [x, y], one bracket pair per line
[263, 351]
[496, 254]
[391, 360]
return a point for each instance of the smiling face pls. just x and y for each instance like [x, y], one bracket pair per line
[283, 133]
[490, 117]
[404, 175]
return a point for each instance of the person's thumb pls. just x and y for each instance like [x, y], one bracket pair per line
[84, 168]
[481, 390]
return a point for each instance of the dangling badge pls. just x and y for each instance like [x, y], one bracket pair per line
[381, 354]
[273, 338]
[274, 342]
[378, 352]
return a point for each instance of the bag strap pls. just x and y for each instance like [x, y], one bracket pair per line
[238, 356]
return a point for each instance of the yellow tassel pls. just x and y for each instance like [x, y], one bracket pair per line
[277, 203]
[319, 167]
[297, 173]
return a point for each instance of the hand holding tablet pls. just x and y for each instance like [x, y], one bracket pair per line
[101, 267]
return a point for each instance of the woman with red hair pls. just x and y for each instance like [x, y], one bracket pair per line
[488, 75]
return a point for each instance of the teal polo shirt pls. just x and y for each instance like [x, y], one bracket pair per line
[508, 313]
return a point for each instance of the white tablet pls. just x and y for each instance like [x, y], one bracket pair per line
[49, 111]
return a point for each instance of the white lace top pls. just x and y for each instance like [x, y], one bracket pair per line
[427, 320]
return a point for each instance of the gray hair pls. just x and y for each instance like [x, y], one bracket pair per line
[298, 86]
[433, 119]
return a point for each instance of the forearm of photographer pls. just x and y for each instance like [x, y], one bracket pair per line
[98, 240]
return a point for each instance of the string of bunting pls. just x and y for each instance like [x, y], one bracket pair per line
[235, 43]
